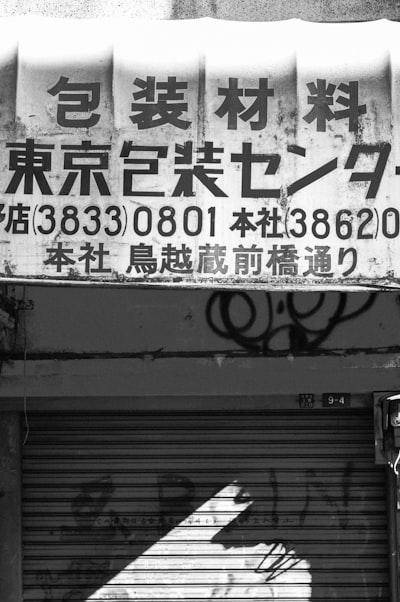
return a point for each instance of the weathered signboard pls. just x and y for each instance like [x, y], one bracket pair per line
[200, 153]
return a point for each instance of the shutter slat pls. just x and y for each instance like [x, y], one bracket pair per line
[102, 490]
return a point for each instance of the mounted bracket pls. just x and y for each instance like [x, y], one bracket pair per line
[387, 428]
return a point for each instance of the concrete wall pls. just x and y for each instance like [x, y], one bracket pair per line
[137, 321]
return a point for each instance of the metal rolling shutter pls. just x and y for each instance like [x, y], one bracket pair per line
[101, 490]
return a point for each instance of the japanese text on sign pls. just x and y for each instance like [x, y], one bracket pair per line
[204, 168]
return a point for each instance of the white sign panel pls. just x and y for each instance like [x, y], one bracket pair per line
[200, 153]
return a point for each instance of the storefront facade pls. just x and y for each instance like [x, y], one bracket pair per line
[226, 442]
[137, 445]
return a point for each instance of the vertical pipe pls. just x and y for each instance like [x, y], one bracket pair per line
[10, 509]
[392, 484]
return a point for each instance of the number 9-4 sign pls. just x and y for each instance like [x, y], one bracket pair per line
[336, 400]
